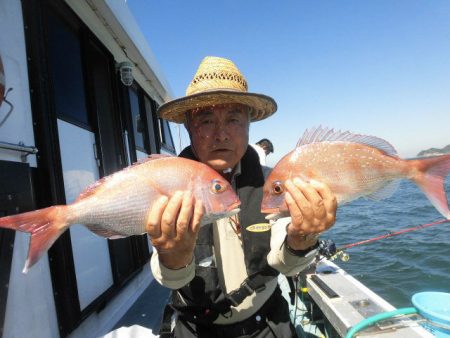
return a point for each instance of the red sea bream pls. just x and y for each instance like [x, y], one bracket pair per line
[117, 205]
[354, 166]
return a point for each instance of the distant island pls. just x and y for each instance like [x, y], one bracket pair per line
[434, 151]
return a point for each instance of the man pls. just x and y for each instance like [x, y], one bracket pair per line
[263, 147]
[224, 275]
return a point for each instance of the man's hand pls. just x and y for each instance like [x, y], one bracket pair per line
[173, 225]
[312, 207]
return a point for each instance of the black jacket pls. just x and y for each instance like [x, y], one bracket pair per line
[203, 298]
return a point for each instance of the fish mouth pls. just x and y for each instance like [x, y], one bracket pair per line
[272, 217]
[275, 214]
[227, 213]
[233, 212]
[213, 217]
[234, 206]
[270, 210]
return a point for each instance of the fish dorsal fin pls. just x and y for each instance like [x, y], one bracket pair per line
[91, 189]
[385, 192]
[320, 134]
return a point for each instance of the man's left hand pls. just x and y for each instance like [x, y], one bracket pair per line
[312, 207]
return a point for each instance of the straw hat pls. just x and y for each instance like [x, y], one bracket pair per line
[217, 81]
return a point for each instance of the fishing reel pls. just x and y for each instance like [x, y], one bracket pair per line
[327, 248]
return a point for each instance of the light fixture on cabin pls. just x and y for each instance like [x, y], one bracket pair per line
[126, 73]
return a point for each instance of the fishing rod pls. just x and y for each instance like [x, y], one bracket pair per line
[328, 248]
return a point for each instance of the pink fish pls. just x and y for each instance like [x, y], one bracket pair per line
[354, 166]
[117, 205]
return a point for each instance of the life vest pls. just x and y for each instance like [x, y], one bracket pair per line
[202, 299]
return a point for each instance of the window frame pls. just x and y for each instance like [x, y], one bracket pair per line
[49, 186]
[163, 137]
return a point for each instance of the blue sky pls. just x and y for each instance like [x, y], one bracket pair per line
[372, 67]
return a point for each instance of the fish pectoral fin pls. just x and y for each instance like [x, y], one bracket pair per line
[385, 192]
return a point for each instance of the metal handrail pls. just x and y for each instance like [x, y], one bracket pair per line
[19, 147]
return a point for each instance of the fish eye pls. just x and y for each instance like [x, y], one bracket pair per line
[217, 187]
[277, 188]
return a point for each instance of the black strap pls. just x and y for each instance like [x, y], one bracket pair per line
[206, 315]
[165, 331]
[293, 290]
[253, 283]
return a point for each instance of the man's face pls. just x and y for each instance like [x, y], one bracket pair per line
[219, 134]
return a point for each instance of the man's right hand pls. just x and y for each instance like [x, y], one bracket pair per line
[173, 225]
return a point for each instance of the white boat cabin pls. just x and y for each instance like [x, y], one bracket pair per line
[71, 117]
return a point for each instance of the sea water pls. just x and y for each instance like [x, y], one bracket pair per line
[397, 267]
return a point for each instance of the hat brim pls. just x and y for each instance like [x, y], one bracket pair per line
[262, 106]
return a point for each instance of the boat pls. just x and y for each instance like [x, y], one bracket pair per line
[79, 89]
[82, 87]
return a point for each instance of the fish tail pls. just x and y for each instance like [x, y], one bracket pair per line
[44, 225]
[430, 178]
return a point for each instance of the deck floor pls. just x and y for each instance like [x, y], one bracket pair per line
[144, 316]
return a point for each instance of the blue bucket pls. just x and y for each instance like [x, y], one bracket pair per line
[434, 306]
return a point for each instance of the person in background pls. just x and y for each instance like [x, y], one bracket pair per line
[263, 147]
[223, 276]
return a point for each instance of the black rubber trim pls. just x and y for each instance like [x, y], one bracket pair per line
[325, 288]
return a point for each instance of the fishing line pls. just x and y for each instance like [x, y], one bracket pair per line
[392, 234]
[328, 249]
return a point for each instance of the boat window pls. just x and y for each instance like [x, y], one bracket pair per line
[66, 72]
[150, 133]
[166, 136]
[138, 123]
[150, 114]
[107, 125]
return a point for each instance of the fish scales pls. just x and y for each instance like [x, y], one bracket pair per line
[349, 169]
[354, 166]
[125, 217]
[117, 205]
[123, 212]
